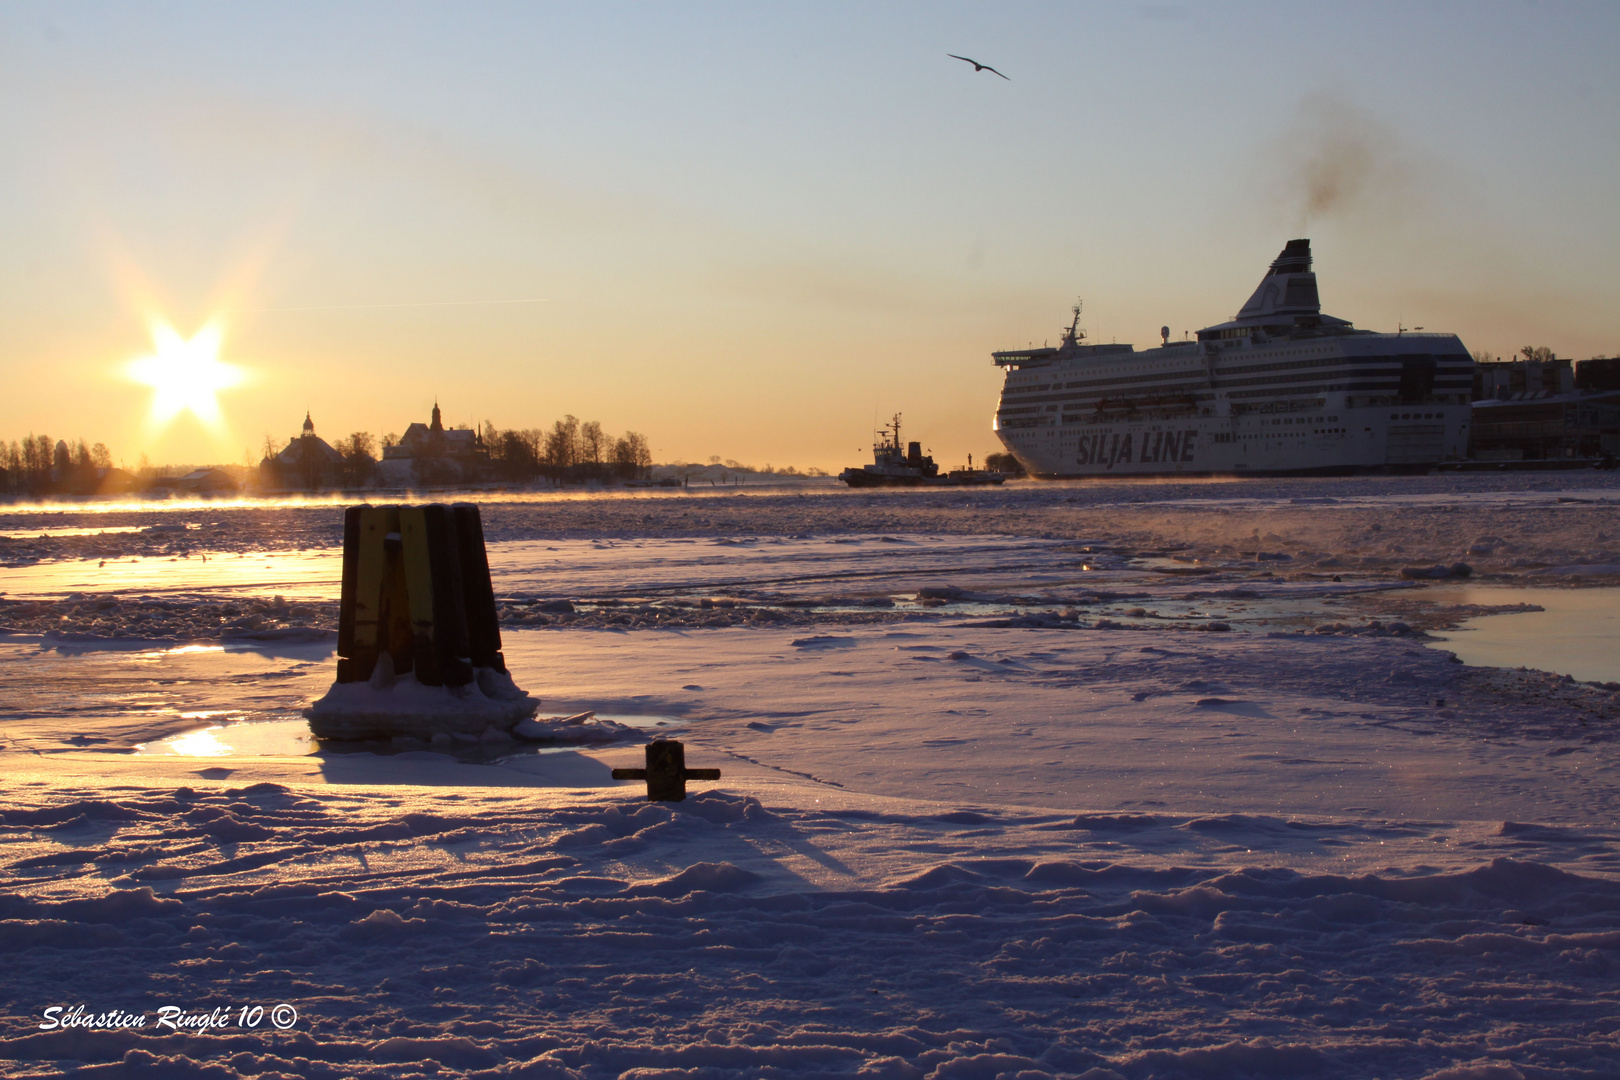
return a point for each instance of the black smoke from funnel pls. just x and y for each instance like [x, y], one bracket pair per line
[1343, 163]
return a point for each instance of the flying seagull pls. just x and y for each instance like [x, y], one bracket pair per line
[977, 67]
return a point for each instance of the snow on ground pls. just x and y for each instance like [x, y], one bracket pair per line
[538, 932]
[995, 802]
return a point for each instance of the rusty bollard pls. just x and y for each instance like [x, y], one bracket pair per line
[666, 772]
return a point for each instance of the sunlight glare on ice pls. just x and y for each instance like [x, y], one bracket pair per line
[204, 743]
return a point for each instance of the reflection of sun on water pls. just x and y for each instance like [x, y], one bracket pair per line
[204, 743]
[181, 650]
[185, 376]
[261, 738]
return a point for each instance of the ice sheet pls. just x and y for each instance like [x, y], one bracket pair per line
[1107, 846]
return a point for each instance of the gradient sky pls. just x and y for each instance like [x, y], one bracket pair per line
[757, 227]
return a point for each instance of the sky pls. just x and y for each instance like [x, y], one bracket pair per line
[758, 230]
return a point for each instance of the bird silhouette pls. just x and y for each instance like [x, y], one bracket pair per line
[977, 67]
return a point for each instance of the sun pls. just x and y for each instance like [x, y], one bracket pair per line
[185, 376]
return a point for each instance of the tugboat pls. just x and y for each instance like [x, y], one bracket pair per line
[893, 467]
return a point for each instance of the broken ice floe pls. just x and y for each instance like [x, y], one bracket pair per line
[1437, 571]
[581, 727]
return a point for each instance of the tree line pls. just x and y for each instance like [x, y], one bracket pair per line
[570, 451]
[38, 466]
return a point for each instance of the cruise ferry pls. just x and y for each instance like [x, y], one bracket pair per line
[1280, 389]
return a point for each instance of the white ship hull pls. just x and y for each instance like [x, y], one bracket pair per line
[1279, 390]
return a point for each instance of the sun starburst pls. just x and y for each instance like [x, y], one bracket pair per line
[185, 376]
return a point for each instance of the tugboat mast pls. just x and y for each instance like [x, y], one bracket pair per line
[888, 438]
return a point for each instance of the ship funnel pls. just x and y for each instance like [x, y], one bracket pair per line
[1289, 287]
[1295, 258]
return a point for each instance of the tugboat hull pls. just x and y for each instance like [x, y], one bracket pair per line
[861, 478]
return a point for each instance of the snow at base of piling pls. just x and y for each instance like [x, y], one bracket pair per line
[387, 706]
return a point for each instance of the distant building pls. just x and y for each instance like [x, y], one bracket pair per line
[1506, 378]
[309, 463]
[432, 454]
[206, 482]
[110, 481]
[1545, 410]
[1598, 374]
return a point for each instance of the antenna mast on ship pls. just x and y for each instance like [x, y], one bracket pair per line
[1073, 335]
[889, 437]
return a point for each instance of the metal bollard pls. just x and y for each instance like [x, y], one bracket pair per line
[666, 772]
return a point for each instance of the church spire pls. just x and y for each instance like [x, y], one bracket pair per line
[309, 425]
[438, 425]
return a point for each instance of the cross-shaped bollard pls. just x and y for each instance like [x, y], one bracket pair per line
[666, 772]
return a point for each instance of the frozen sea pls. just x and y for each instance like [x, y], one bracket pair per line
[1269, 778]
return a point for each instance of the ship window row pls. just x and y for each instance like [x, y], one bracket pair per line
[1179, 401]
[1320, 388]
[1121, 380]
[1278, 381]
[1282, 378]
[1224, 377]
[1443, 362]
[1392, 386]
[1092, 395]
[1388, 380]
[1131, 380]
[1360, 362]
[1286, 365]
[1134, 380]
[1417, 416]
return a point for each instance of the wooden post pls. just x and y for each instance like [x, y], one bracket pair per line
[666, 772]
[360, 609]
[478, 592]
[449, 645]
[351, 570]
[416, 586]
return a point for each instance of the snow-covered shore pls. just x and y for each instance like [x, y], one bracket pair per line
[994, 802]
[466, 932]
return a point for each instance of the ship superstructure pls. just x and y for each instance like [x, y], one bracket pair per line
[905, 465]
[1282, 388]
[893, 464]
